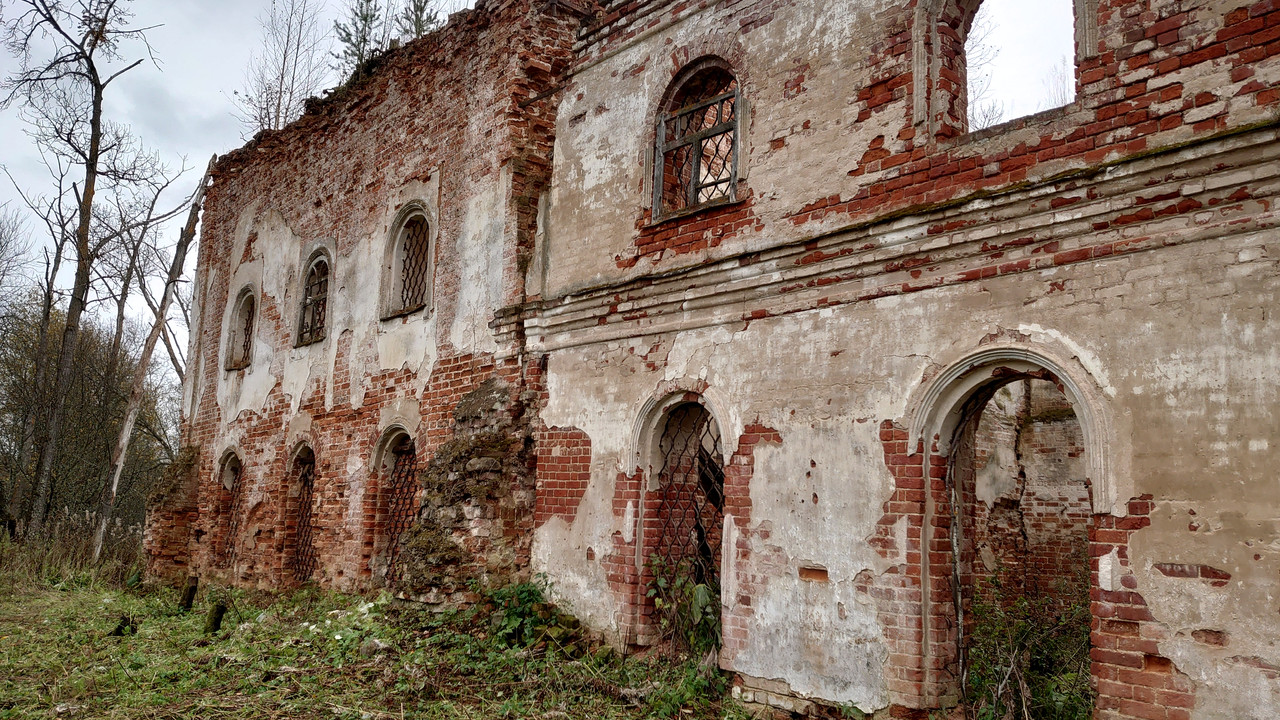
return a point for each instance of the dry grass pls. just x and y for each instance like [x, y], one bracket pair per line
[298, 655]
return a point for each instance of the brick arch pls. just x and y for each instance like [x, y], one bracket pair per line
[939, 74]
[939, 405]
[1132, 677]
[640, 488]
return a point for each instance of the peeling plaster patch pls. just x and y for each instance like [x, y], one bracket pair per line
[1087, 359]
[479, 254]
[817, 636]
[558, 549]
[1258, 445]
[1109, 570]
[629, 523]
[728, 564]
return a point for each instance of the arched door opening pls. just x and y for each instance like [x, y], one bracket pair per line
[685, 516]
[300, 548]
[230, 507]
[396, 506]
[1015, 517]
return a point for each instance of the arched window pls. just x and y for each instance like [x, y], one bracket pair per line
[697, 140]
[301, 559]
[315, 301]
[240, 334]
[230, 502]
[409, 266]
[980, 62]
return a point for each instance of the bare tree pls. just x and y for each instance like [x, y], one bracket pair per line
[1059, 85]
[289, 67]
[15, 249]
[70, 52]
[980, 55]
[138, 388]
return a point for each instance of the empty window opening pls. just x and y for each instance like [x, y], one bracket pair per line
[301, 560]
[315, 300]
[688, 505]
[411, 267]
[240, 338]
[397, 508]
[1019, 60]
[698, 141]
[1019, 545]
[230, 507]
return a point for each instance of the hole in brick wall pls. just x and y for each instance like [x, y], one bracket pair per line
[1016, 604]
[1019, 59]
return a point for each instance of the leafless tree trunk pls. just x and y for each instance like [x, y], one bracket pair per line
[61, 92]
[288, 68]
[138, 389]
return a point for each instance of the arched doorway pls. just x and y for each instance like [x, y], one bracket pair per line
[394, 506]
[1012, 451]
[684, 527]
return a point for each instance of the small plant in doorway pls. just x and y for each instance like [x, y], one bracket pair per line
[688, 611]
[1028, 658]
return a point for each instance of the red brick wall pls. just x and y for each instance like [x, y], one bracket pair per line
[1161, 74]
[329, 175]
[1133, 679]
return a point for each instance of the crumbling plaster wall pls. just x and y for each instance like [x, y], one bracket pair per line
[449, 123]
[829, 136]
[861, 274]
[825, 380]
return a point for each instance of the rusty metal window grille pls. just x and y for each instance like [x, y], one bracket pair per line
[315, 297]
[401, 491]
[234, 505]
[303, 560]
[691, 494]
[242, 334]
[414, 258]
[698, 144]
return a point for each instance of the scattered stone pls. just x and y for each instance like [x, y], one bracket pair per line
[373, 646]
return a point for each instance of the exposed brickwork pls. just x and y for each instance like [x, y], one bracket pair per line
[1133, 679]
[564, 471]
[328, 178]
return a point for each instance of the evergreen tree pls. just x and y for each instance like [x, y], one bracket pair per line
[417, 18]
[360, 37]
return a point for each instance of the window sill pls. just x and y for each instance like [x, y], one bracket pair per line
[1006, 126]
[696, 209]
[237, 367]
[404, 313]
[317, 339]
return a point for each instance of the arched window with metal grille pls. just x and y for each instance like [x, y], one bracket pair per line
[409, 265]
[300, 511]
[697, 140]
[315, 301]
[690, 495]
[240, 334]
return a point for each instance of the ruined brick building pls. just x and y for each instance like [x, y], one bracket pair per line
[567, 286]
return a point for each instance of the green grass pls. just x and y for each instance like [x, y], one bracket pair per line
[298, 656]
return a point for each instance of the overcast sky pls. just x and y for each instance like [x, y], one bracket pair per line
[184, 106]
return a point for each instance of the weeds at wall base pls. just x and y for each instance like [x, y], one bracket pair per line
[313, 653]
